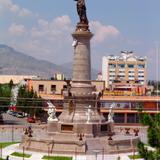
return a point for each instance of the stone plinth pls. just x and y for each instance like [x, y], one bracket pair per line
[53, 145]
[70, 143]
[88, 129]
[52, 127]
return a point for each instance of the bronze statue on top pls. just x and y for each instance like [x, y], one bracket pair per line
[81, 10]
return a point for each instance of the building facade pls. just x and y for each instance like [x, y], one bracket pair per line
[127, 68]
[46, 88]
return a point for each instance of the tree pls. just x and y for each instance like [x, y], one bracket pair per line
[11, 83]
[29, 101]
[153, 134]
[149, 82]
[5, 94]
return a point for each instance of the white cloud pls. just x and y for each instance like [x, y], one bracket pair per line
[46, 39]
[103, 32]
[63, 21]
[25, 12]
[14, 8]
[16, 29]
[8, 5]
[51, 39]
[58, 27]
[43, 23]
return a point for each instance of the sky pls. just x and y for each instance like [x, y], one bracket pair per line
[43, 28]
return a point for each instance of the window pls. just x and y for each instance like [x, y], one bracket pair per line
[131, 75]
[112, 66]
[119, 118]
[121, 76]
[53, 88]
[121, 72]
[141, 66]
[130, 65]
[121, 65]
[140, 71]
[132, 118]
[130, 71]
[64, 86]
[41, 88]
[141, 81]
[112, 71]
[112, 75]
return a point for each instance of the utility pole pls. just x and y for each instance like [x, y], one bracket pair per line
[1, 150]
[157, 70]
[23, 152]
[12, 133]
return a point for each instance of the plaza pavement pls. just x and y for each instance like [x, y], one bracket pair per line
[38, 156]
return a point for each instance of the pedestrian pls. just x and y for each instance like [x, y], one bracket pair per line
[7, 158]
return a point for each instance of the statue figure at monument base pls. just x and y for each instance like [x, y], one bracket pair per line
[51, 112]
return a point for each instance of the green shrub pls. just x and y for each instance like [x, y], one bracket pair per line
[19, 154]
[6, 144]
[134, 156]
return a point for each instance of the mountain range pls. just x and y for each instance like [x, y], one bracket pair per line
[13, 62]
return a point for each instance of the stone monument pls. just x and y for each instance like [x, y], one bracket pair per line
[80, 125]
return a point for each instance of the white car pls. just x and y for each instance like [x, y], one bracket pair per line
[19, 115]
[9, 112]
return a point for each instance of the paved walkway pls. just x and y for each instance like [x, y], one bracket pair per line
[38, 156]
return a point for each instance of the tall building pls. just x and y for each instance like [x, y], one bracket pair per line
[127, 68]
[58, 76]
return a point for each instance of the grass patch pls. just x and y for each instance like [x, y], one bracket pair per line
[6, 144]
[134, 156]
[2, 159]
[56, 158]
[19, 154]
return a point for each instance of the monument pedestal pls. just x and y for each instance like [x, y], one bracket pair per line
[58, 144]
[52, 127]
[87, 129]
[70, 143]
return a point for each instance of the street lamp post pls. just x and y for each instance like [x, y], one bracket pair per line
[1, 150]
[48, 149]
[103, 154]
[76, 153]
[157, 70]
[12, 133]
[133, 149]
[23, 152]
[96, 151]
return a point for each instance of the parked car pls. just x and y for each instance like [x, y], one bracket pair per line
[19, 115]
[31, 120]
[14, 114]
[9, 112]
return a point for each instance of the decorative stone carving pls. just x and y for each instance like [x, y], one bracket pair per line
[89, 113]
[51, 112]
[111, 113]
